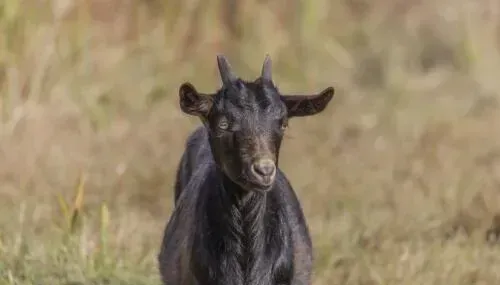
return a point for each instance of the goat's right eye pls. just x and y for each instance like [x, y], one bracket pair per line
[223, 124]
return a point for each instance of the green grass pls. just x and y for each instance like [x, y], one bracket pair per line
[398, 177]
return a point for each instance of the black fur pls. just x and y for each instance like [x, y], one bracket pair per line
[226, 229]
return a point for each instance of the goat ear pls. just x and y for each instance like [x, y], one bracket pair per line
[194, 103]
[307, 105]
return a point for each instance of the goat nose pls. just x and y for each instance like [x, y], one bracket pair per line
[264, 168]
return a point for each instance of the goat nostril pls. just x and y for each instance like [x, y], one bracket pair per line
[264, 167]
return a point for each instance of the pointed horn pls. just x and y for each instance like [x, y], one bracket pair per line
[226, 74]
[266, 68]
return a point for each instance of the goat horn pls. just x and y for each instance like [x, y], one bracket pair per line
[266, 68]
[225, 70]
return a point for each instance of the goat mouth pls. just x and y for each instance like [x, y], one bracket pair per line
[258, 186]
[249, 182]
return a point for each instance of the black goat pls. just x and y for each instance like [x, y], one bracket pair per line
[237, 220]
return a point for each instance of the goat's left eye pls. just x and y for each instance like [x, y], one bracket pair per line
[284, 125]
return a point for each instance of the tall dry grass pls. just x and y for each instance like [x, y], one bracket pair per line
[399, 178]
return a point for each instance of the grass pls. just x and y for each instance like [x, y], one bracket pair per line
[398, 177]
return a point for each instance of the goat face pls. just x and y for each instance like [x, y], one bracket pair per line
[246, 121]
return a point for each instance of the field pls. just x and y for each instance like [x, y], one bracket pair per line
[399, 177]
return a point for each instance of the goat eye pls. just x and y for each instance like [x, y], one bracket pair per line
[284, 125]
[223, 124]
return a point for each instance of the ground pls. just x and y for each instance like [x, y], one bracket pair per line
[399, 177]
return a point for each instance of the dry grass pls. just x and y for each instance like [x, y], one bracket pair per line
[399, 178]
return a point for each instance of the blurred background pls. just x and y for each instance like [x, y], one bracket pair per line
[399, 177]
